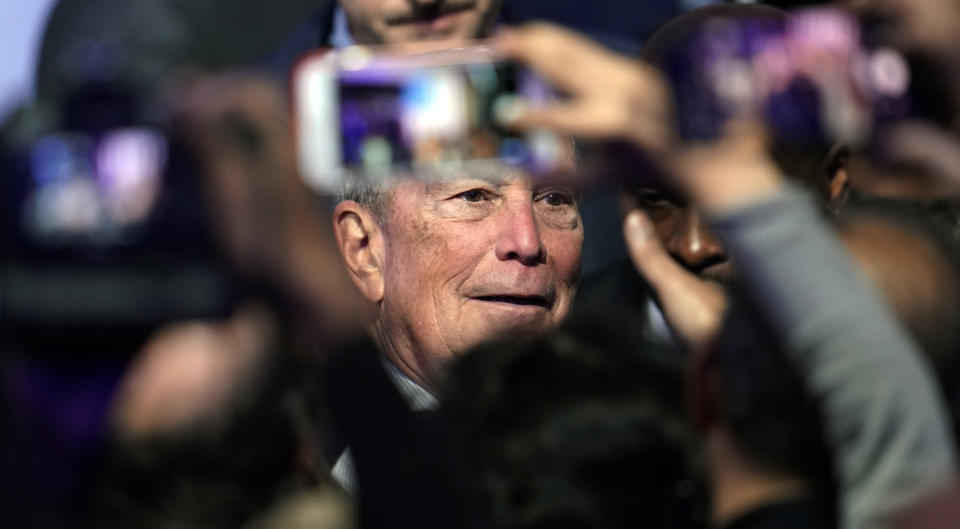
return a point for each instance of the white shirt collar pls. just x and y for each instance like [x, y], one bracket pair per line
[418, 398]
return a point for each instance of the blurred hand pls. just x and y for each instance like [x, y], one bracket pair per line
[729, 172]
[269, 223]
[692, 307]
[610, 96]
[613, 97]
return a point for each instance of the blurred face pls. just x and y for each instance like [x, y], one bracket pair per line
[469, 260]
[683, 233]
[398, 21]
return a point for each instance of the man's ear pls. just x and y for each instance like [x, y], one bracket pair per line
[838, 186]
[360, 241]
[838, 179]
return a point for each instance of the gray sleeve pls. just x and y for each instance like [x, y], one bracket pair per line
[885, 420]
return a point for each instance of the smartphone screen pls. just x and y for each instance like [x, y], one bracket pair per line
[423, 116]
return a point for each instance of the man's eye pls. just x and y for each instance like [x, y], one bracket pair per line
[474, 195]
[557, 198]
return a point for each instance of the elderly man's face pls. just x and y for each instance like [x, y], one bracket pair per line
[398, 21]
[468, 260]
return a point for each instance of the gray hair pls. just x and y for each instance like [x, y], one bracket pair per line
[368, 193]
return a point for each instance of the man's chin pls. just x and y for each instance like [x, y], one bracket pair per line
[495, 320]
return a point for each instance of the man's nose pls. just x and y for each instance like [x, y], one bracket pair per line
[520, 236]
[693, 245]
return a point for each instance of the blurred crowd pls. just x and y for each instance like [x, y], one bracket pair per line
[767, 335]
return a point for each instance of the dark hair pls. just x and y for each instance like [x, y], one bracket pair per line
[580, 429]
[217, 472]
[765, 404]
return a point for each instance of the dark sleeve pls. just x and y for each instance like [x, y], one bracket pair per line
[884, 418]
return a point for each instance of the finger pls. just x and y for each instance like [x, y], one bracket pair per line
[588, 122]
[569, 61]
[649, 256]
[693, 308]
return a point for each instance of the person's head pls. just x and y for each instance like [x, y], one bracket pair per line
[583, 428]
[452, 263]
[208, 428]
[399, 21]
[679, 226]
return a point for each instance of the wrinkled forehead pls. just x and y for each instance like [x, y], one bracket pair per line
[498, 178]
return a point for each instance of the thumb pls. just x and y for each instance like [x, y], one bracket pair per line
[649, 256]
[692, 307]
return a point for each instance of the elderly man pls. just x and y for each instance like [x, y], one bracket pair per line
[450, 264]
[446, 265]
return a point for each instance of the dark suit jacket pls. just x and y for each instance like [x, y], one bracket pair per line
[619, 295]
[406, 468]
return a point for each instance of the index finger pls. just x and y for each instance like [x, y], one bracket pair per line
[568, 60]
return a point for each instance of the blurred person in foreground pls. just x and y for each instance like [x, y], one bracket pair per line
[211, 428]
[582, 428]
[890, 443]
[215, 421]
[587, 427]
[181, 422]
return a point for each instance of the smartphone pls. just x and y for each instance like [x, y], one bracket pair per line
[366, 113]
[815, 77]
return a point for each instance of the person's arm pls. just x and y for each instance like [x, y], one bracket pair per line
[884, 420]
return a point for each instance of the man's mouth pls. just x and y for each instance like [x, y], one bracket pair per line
[520, 300]
[431, 12]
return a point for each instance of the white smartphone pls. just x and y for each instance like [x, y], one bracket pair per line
[365, 113]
